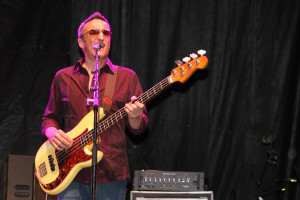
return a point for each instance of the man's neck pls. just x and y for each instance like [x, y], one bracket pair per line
[89, 64]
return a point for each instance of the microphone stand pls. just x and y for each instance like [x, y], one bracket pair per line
[96, 47]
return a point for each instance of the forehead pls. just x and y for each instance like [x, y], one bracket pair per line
[96, 24]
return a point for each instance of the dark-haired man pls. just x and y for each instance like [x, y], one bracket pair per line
[67, 106]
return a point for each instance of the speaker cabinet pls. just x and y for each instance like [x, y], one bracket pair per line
[20, 182]
[18, 177]
[163, 195]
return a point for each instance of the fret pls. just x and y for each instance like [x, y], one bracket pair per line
[154, 90]
[99, 128]
[157, 88]
[111, 120]
[108, 122]
[104, 125]
[141, 100]
[151, 92]
[82, 141]
[89, 137]
[161, 86]
[146, 97]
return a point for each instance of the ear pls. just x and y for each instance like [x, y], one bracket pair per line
[80, 43]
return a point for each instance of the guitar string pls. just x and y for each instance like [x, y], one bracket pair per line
[63, 154]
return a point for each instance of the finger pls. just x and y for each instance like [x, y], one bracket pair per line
[129, 107]
[56, 145]
[60, 140]
[64, 139]
[67, 138]
[137, 108]
[133, 111]
[139, 104]
[133, 98]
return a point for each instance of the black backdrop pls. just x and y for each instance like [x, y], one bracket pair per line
[213, 123]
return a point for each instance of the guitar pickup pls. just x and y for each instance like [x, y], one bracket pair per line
[52, 165]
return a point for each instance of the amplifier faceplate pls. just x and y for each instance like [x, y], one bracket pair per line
[168, 180]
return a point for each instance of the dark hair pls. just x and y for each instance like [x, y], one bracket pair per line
[95, 15]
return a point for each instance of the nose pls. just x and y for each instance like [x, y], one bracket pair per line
[100, 36]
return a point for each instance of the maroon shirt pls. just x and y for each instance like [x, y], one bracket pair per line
[67, 106]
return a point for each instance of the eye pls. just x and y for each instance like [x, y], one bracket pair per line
[106, 32]
[94, 32]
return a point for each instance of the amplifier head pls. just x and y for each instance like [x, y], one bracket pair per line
[168, 181]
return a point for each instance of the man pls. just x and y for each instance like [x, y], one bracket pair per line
[67, 106]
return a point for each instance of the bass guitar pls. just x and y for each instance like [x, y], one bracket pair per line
[55, 170]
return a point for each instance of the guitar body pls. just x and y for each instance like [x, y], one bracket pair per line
[54, 170]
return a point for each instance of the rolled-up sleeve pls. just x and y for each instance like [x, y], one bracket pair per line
[52, 116]
[135, 89]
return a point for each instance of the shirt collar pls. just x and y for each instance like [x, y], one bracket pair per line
[108, 67]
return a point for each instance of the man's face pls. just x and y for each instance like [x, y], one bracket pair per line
[95, 30]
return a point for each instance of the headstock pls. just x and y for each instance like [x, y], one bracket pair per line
[189, 65]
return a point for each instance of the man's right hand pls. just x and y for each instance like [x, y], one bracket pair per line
[59, 139]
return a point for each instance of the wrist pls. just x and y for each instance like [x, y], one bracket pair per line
[135, 122]
[137, 117]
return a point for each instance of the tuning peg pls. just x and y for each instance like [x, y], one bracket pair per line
[193, 55]
[186, 59]
[178, 62]
[201, 52]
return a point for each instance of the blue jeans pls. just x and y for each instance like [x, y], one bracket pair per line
[105, 191]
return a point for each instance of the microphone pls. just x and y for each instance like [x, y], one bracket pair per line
[97, 46]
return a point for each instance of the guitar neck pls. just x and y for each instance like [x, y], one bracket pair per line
[144, 98]
[121, 114]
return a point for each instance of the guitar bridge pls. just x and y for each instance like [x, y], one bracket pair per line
[42, 169]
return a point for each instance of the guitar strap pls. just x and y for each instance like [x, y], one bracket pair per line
[109, 90]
